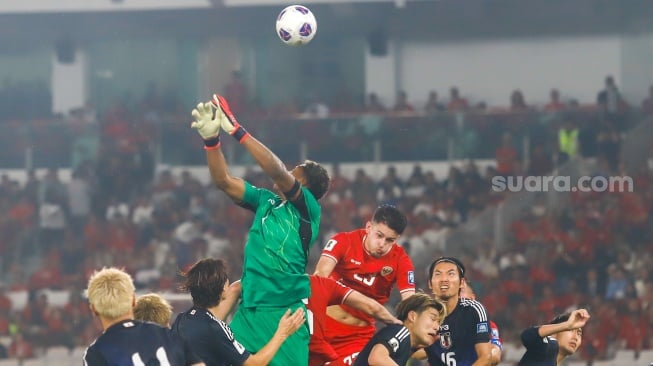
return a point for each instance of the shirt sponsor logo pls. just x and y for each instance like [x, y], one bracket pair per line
[386, 270]
[358, 263]
[481, 328]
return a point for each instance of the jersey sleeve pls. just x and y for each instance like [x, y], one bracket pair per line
[93, 358]
[395, 339]
[253, 196]
[478, 323]
[336, 247]
[337, 292]
[531, 339]
[495, 338]
[230, 349]
[406, 274]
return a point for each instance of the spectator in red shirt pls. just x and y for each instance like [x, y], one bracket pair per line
[506, 157]
[20, 348]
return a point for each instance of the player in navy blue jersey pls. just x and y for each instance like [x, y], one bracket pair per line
[421, 316]
[125, 341]
[548, 345]
[208, 335]
[465, 332]
[495, 339]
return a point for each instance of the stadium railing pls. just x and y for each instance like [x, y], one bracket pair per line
[59, 143]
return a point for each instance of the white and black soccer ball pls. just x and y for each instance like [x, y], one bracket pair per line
[296, 25]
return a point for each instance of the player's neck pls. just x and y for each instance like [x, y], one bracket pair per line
[106, 323]
[452, 303]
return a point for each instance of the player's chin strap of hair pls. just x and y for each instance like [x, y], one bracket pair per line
[292, 191]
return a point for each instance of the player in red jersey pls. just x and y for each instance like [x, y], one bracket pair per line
[327, 292]
[370, 261]
[324, 292]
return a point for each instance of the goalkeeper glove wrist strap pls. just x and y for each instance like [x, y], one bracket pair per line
[240, 134]
[212, 143]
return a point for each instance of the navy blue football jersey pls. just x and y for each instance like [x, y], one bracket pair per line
[459, 333]
[136, 343]
[540, 351]
[210, 338]
[395, 337]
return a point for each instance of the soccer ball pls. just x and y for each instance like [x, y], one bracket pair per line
[296, 25]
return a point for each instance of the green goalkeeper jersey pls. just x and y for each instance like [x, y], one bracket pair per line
[276, 252]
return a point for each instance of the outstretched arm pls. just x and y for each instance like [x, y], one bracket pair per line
[577, 319]
[272, 166]
[208, 127]
[370, 307]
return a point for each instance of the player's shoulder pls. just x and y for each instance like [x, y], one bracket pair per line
[349, 236]
[399, 252]
[470, 306]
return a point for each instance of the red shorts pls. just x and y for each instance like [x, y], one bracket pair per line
[320, 353]
[347, 340]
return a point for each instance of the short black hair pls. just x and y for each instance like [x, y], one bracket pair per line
[317, 178]
[392, 217]
[560, 318]
[458, 263]
[205, 281]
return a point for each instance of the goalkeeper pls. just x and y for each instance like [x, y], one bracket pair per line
[285, 225]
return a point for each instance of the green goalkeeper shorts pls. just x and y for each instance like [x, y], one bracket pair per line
[254, 328]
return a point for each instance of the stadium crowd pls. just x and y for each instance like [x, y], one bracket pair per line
[117, 210]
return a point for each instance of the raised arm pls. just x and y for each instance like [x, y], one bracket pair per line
[577, 319]
[209, 128]
[272, 166]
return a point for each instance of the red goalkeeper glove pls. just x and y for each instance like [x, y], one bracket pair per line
[229, 124]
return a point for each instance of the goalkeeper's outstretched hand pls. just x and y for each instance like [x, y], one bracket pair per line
[206, 125]
[229, 122]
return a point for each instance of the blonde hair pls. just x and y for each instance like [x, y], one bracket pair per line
[111, 292]
[153, 308]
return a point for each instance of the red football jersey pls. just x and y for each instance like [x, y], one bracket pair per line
[324, 292]
[371, 276]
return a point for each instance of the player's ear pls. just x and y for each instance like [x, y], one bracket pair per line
[412, 315]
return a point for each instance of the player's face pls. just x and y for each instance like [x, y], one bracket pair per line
[379, 239]
[445, 282]
[570, 340]
[425, 330]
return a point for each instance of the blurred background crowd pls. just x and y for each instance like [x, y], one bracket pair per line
[120, 182]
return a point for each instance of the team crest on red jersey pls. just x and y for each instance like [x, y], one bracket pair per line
[445, 340]
[386, 271]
